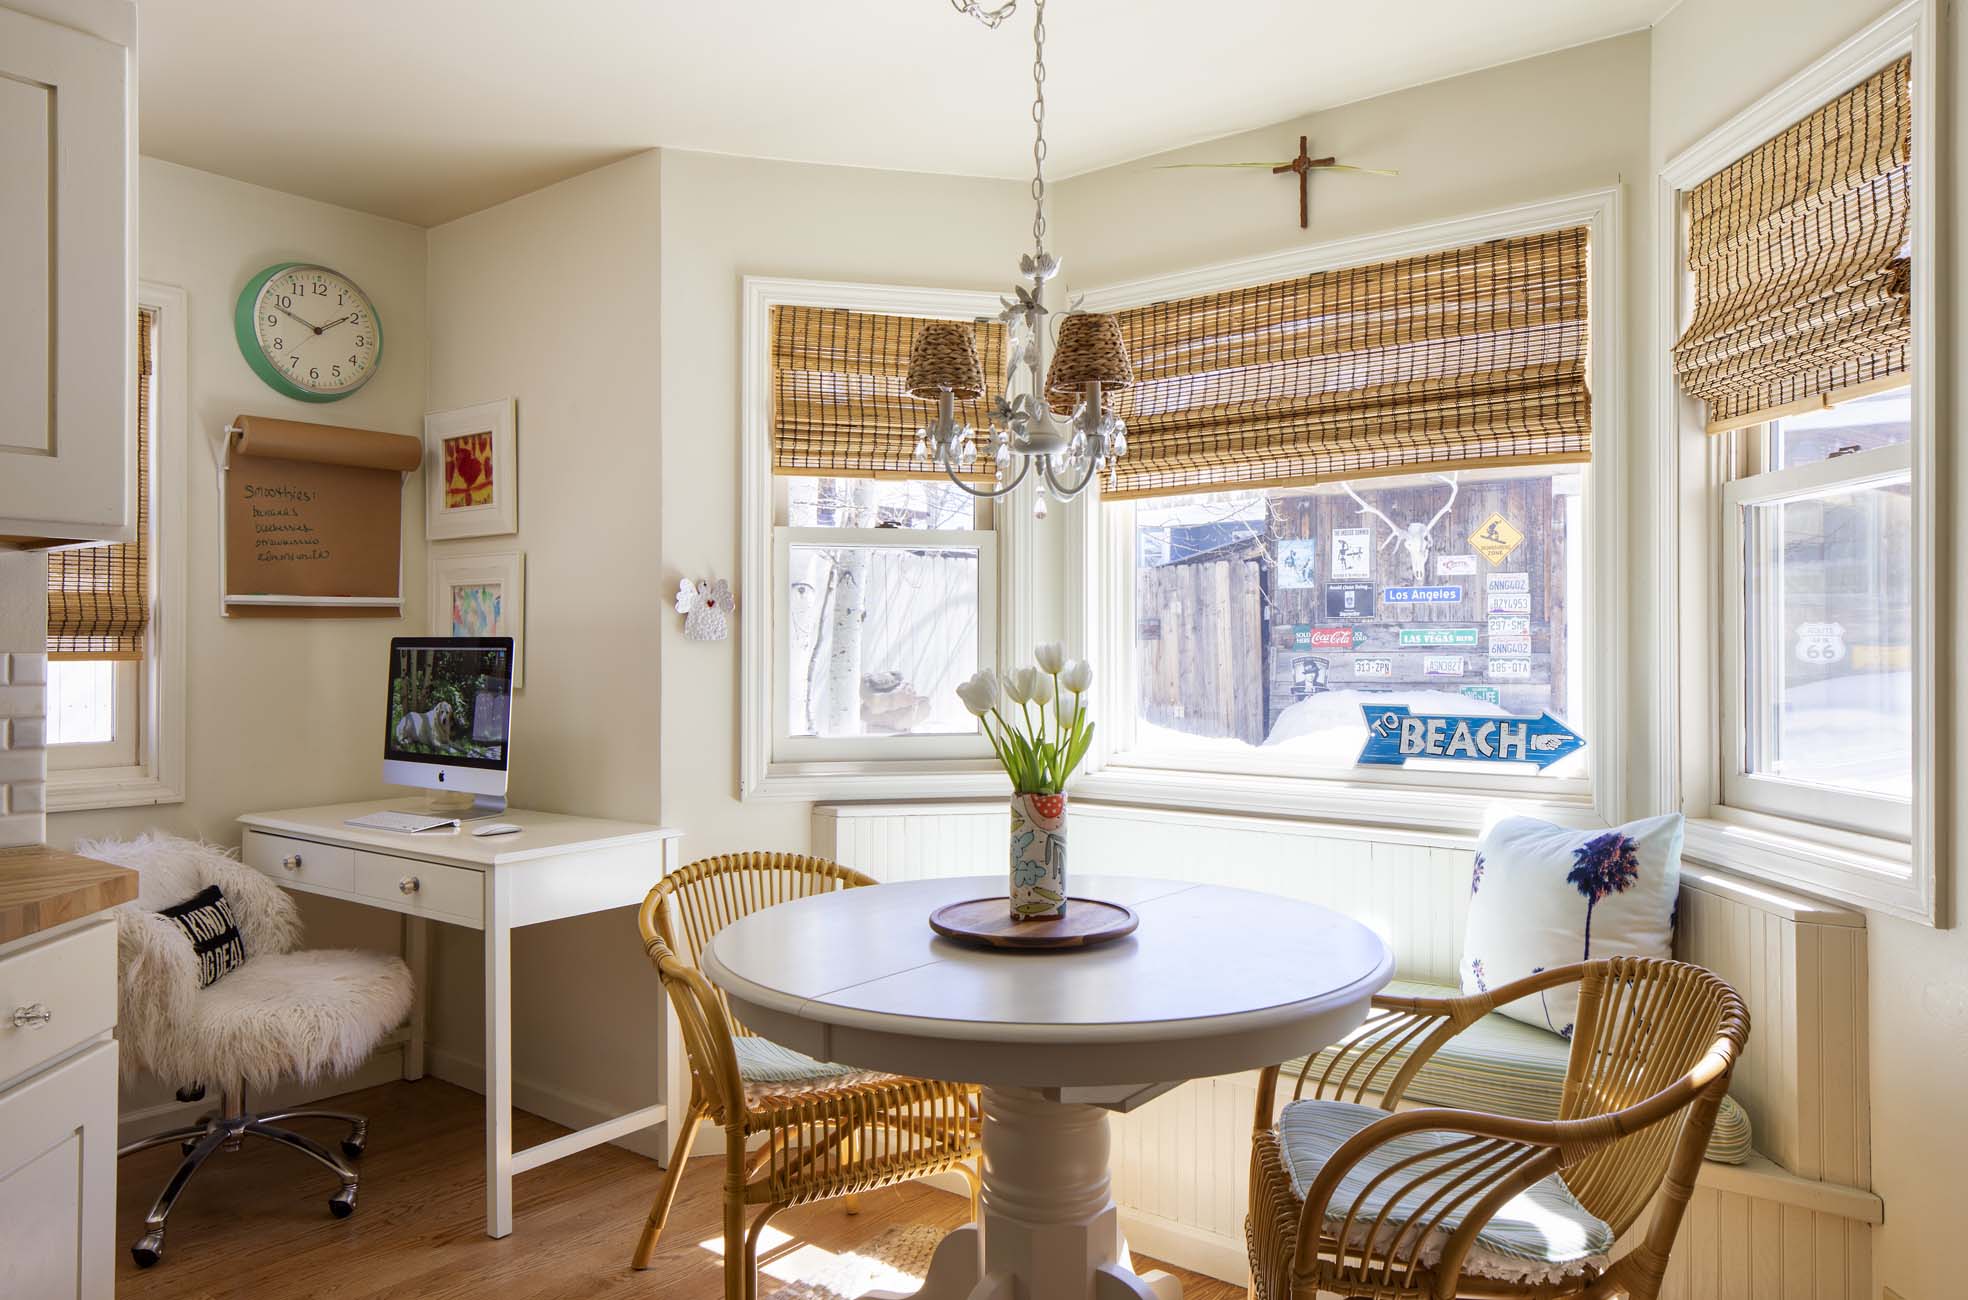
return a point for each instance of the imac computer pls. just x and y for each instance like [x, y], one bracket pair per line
[449, 720]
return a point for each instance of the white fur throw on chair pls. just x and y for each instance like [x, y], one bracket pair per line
[283, 1015]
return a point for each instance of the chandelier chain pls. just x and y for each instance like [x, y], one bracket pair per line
[1038, 122]
[989, 17]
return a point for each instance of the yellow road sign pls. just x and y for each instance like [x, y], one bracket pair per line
[1496, 539]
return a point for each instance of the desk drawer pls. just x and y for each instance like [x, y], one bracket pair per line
[421, 888]
[55, 995]
[300, 862]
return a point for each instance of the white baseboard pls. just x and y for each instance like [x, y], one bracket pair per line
[556, 1104]
[1198, 1251]
[384, 1066]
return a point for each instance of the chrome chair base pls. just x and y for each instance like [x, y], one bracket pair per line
[227, 1132]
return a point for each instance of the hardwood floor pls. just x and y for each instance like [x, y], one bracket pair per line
[255, 1225]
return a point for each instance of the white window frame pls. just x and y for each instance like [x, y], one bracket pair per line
[156, 684]
[1894, 874]
[126, 723]
[1756, 792]
[1100, 586]
[773, 764]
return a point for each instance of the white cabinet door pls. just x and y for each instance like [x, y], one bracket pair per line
[58, 1181]
[67, 333]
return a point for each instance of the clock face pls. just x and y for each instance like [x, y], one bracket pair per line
[309, 332]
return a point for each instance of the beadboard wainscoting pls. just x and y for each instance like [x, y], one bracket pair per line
[1796, 1220]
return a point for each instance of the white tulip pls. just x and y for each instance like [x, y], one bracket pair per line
[1051, 656]
[979, 694]
[1076, 677]
[1018, 685]
[1070, 708]
[1041, 686]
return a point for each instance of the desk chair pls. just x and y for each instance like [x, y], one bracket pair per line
[796, 1130]
[283, 1014]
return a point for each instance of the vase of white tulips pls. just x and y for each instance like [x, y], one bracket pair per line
[1036, 720]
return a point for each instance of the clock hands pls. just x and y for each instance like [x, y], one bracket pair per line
[323, 329]
[291, 316]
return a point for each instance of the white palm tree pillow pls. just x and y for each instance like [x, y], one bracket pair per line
[1542, 896]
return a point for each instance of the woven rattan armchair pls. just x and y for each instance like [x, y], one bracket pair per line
[795, 1130]
[1392, 1205]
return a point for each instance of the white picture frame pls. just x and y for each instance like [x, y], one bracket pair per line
[483, 437]
[483, 574]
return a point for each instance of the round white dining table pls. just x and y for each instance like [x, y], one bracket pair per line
[1213, 981]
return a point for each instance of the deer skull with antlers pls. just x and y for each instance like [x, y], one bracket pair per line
[1412, 535]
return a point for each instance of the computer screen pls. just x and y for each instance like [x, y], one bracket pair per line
[450, 701]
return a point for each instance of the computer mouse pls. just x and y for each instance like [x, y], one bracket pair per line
[496, 828]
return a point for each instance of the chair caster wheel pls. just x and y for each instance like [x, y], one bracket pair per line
[148, 1248]
[342, 1203]
[352, 1148]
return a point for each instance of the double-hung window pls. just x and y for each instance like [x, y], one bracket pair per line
[880, 575]
[115, 692]
[1799, 348]
[1359, 489]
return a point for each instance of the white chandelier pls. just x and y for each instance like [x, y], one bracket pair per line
[1089, 361]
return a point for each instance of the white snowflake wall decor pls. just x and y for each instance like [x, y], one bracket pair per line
[706, 606]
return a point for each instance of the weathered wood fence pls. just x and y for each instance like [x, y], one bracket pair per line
[1199, 639]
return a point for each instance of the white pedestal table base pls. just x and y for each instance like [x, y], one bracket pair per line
[1050, 1228]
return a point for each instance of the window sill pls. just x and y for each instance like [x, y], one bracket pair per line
[878, 779]
[1871, 874]
[1438, 810]
[83, 789]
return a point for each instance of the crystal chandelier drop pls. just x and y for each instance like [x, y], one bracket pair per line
[1089, 360]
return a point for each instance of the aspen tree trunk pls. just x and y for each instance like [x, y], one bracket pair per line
[841, 712]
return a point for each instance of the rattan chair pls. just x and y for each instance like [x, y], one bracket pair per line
[1349, 1200]
[795, 1130]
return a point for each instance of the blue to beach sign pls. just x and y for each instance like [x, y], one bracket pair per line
[1395, 735]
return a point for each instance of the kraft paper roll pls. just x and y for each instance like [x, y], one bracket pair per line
[325, 444]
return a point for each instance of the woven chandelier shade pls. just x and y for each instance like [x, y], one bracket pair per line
[841, 380]
[1798, 251]
[99, 596]
[944, 355]
[1452, 360]
[1090, 350]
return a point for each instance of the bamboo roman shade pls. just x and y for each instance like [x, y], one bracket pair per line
[99, 596]
[1469, 357]
[840, 402]
[1799, 253]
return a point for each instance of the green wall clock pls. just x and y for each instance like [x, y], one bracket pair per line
[309, 332]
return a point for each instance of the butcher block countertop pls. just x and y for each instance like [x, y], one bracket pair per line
[42, 887]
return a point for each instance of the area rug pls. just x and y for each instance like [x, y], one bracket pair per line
[817, 1275]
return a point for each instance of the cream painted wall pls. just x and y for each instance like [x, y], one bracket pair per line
[279, 712]
[725, 218]
[1711, 59]
[1538, 129]
[553, 299]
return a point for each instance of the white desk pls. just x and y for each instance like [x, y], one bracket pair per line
[1215, 980]
[553, 868]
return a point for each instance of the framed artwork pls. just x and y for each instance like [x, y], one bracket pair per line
[481, 595]
[471, 472]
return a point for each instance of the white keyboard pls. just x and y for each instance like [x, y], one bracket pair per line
[407, 823]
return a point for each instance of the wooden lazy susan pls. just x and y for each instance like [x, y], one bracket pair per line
[988, 923]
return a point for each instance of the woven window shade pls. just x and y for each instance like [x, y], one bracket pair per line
[1470, 357]
[99, 596]
[839, 406]
[1799, 255]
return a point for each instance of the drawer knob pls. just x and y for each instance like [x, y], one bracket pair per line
[409, 884]
[292, 862]
[33, 1016]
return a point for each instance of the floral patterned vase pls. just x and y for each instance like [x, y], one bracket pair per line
[1038, 857]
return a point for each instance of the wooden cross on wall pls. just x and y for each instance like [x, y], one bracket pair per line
[1303, 165]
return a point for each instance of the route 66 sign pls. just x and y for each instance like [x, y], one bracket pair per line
[1820, 643]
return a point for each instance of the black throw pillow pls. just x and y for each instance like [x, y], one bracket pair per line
[207, 920]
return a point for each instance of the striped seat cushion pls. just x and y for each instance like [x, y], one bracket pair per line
[760, 1060]
[1541, 1235]
[1507, 1067]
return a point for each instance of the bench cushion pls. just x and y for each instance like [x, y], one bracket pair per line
[1540, 1235]
[1506, 1067]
